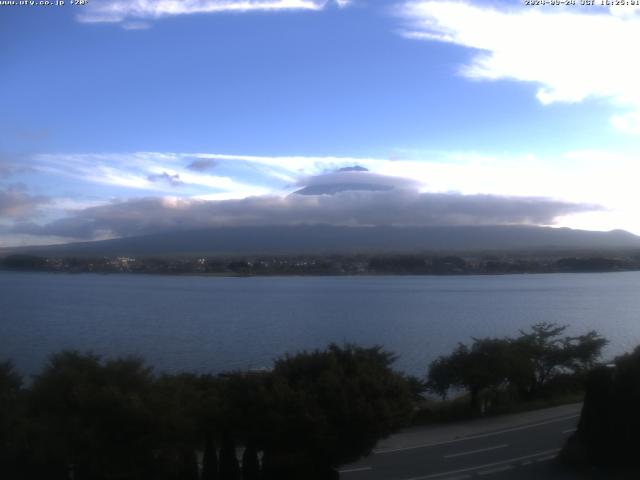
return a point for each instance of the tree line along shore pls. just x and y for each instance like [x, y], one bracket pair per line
[361, 264]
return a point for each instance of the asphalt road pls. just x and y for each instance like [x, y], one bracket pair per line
[516, 446]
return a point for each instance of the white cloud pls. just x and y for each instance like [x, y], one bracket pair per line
[627, 122]
[585, 177]
[572, 54]
[294, 163]
[133, 11]
[141, 171]
[136, 25]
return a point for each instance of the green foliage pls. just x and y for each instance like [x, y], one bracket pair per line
[590, 264]
[607, 433]
[442, 376]
[186, 407]
[334, 405]
[245, 400]
[316, 409]
[103, 419]
[407, 264]
[250, 463]
[526, 364]
[12, 418]
[484, 365]
[24, 262]
[210, 459]
[229, 466]
[448, 265]
[416, 387]
[10, 380]
[543, 353]
[189, 465]
[94, 415]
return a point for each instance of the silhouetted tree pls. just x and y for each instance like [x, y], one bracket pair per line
[607, 433]
[448, 265]
[229, 466]
[591, 264]
[24, 262]
[416, 386]
[189, 465]
[94, 417]
[543, 353]
[210, 459]
[399, 264]
[331, 407]
[240, 266]
[104, 420]
[250, 463]
[176, 399]
[12, 421]
[442, 375]
[525, 364]
[484, 365]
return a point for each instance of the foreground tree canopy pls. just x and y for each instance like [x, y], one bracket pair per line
[89, 418]
[525, 365]
[607, 434]
[94, 419]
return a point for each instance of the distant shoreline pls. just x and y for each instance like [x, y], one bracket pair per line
[333, 265]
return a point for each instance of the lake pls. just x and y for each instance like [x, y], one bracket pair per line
[212, 324]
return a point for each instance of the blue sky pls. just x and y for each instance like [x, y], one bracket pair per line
[111, 102]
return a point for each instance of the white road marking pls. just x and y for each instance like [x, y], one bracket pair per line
[495, 470]
[545, 459]
[459, 477]
[486, 465]
[473, 437]
[471, 452]
[351, 470]
[568, 430]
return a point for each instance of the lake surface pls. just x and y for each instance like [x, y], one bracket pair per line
[212, 324]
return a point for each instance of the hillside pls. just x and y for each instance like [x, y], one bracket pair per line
[322, 239]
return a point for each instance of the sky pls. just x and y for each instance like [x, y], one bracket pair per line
[120, 118]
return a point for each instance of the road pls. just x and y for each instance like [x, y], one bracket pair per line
[520, 446]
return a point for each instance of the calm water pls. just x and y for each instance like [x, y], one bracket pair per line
[214, 324]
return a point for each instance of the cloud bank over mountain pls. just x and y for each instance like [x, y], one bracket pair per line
[351, 197]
